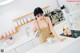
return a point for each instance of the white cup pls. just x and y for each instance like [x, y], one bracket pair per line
[50, 40]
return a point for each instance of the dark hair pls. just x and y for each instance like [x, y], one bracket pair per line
[37, 11]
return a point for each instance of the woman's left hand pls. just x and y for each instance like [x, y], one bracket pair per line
[60, 38]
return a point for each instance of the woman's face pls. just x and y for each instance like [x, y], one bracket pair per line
[40, 16]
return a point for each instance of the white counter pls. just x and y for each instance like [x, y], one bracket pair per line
[22, 41]
[54, 47]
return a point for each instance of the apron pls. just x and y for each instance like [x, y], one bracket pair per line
[44, 33]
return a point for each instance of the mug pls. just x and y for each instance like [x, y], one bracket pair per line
[50, 40]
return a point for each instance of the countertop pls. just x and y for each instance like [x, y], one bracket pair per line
[23, 40]
[53, 47]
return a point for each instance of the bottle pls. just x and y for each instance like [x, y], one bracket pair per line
[69, 32]
[65, 31]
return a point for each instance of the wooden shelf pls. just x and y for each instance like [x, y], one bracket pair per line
[28, 14]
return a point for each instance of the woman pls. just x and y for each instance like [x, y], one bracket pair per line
[44, 25]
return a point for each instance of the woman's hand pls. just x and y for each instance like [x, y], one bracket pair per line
[60, 38]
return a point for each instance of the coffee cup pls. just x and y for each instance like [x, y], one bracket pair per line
[50, 40]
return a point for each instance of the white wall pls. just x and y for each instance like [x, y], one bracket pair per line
[20, 7]
[71, 6]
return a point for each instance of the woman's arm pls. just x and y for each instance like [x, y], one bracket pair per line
[52, 29]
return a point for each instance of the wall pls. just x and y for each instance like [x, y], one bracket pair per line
[74, 12]
[67, 4]
[71, 6]
[18, 8]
